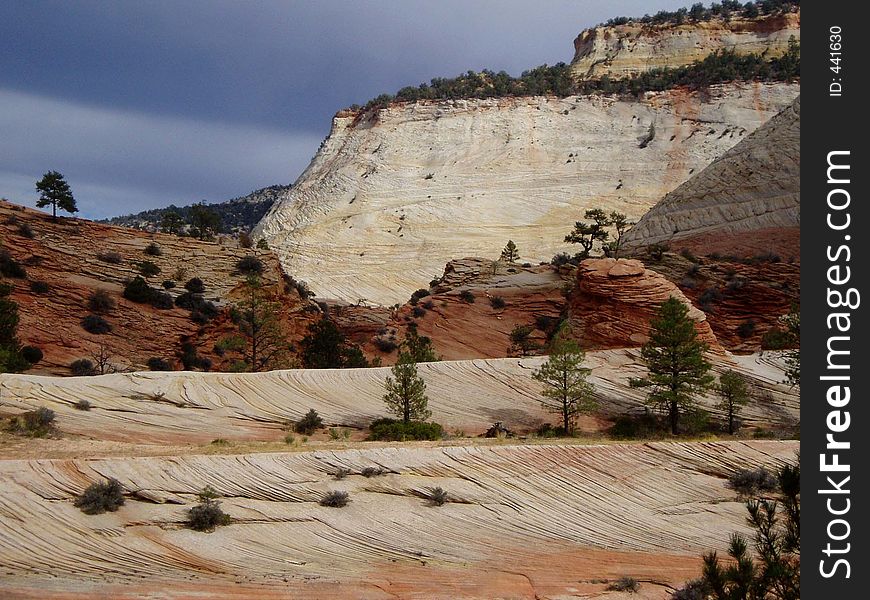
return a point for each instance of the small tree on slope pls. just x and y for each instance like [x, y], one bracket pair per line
[566, 391]
[732, 390]
[406, 391]
[674, 356]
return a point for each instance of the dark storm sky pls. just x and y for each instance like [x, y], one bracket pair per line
[143, 104]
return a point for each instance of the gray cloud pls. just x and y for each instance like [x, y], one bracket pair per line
[171, 101]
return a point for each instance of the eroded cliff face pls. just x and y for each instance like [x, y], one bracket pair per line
[749, 197]
[624, 50]
[394, 194]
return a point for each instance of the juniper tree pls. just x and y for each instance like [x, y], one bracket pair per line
[566, 391]
[674, 356]
[620, 223]
[204, 221]
[732, 390]
[55, 191]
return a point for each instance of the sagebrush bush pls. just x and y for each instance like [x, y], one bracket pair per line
[335, 499]
[82, 367]
[100, 301]
[112, 258]
[96, 324]
[33, 423]
[373, 472]
[624, 584]
[752, 482]
[153, 249]
[467, 296]
[341, 473]
[82, 405]
[629, 427]
[421, 293]
[392, 430]
[105, 496]
[437, 496]
[31, 354]
[155, 363]
[418, 312]
[309, 423]
[137, 290]
[250, 265]
[497, 302]
[24, 230]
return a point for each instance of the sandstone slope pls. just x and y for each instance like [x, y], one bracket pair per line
[750, 196]
[394, 194]
[623, 50]
[181, 407]
[522, 522]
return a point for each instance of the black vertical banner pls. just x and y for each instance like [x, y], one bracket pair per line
[835, 226]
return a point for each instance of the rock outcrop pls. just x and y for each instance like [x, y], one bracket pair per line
[750, 197]
[623, 50]
[614, 300]
[394, 194]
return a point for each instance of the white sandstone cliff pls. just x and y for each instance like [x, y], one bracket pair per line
[392, 195]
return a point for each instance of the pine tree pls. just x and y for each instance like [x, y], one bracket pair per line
[406, 391]
[204, 221]
[325, 347]
[675, 358]
[620, 223]
[510, 253]
[732, 390]
[566, 391]
[55, 191]
[267, 345]
[419, 348]
[171, 222]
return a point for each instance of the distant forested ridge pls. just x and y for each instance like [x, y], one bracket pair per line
[238, 214]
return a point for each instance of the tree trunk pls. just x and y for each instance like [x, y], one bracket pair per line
[675, 415]
[730, 420]
[566, 419]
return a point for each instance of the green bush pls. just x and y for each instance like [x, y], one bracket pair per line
[746, 329]
[31, 354]
[24, 230]
[497, 302]
[309, 423]
[106, 496]
[137, 290]
[207, 515]
[467, 296]
[399, 431]
[96, 324]
[776, 339]
[753, 482]
[168, 284]
[33, 423]
[82, 405]
[335, 499]
[373, 472]
[629, 427]
[421, 293]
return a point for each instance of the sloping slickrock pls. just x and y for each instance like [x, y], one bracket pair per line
[753, 190]
[182, 407]
[521, 522]
[614, 301]
[394, 194]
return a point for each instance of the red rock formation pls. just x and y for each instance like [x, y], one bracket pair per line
[614, 300]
